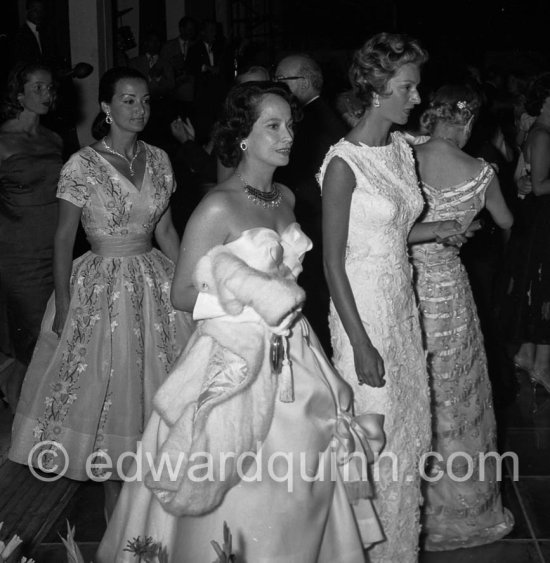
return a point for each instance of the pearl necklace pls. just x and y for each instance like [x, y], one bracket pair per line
[268, 199]
[130, 162]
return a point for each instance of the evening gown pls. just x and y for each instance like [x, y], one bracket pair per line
[28, 219]
[465, 512]
[385, 203]
[526, 303]
[314, 522]
[91, 389]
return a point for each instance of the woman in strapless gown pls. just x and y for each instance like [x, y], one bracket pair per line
[30, 163]
[110, 334]
[233, 396]
[463, 506]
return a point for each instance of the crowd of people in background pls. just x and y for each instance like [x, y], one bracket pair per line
[382, 250]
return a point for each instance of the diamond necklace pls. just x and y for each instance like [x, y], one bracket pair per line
[268, 199]
[130, 162]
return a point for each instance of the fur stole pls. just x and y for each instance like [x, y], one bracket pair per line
[229, 413]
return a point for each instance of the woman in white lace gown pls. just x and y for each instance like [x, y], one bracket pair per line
[371, 200]
[240, 256]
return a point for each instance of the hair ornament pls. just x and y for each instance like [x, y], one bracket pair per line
[462, 104]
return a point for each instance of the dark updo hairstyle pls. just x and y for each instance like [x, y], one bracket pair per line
[18, 77]
[538, 91]
[240, 112]
[454, 104]
[378, 61]
[107, 87]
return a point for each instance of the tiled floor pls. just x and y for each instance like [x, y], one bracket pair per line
[524, 424]
[524, 428]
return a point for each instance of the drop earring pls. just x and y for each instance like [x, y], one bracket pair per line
[243, 145]
[375, 101]
[108, 119]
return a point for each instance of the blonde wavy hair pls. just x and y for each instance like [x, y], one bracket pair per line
[379, 59]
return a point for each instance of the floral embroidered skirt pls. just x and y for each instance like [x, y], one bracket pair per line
[91, 389]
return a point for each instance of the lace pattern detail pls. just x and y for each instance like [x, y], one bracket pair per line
[385, 203]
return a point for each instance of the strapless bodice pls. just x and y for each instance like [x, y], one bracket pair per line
[272, 252]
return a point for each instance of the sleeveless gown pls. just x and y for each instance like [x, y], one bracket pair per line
[462, 512]
[314, 521]
[385, 203]
[28, 219]
[91, 389]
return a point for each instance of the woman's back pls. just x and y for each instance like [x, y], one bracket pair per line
[441, 163]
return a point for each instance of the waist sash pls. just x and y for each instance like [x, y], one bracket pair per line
[128, 245]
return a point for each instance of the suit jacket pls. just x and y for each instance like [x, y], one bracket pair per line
[27, 50]
[160, 76]
[319, 128]
[199, 61]
[185, 82]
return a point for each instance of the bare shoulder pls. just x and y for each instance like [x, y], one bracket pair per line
[448, 155]
[288, 194]
[216, 207]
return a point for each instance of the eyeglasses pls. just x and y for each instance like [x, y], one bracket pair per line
[41, 88]
[281, 78]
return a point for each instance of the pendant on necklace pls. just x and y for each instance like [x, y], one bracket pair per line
[125, 158]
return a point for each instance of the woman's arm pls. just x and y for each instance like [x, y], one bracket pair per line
[167, 237]
[439, 231]
[67, 225]
[540, 162]
[338, 186]
[495, 204]
[206, 228]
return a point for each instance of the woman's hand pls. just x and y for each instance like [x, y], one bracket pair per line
[369, 365]
[454, 233]
[524, 185]
[182, 130]
[283, 328]
[61, 312]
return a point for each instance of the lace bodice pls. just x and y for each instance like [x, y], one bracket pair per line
[385, 203]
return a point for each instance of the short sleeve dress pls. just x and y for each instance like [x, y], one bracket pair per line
[91, 389]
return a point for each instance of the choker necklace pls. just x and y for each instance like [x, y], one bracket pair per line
[130, 162]
[268, 199]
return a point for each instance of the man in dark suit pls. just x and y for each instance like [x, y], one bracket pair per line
[34, 40]
[176, 52]
[319, 128]
[210, 64]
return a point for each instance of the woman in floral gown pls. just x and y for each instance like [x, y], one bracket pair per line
[109, 334]
[462, 509]
[371, 200]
